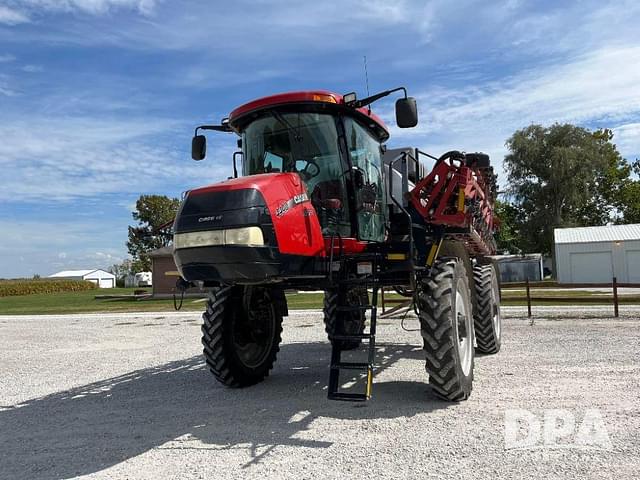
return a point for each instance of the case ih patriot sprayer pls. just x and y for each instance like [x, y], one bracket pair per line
[321, 204]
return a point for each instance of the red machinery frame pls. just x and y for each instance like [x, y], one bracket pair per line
[453, 195]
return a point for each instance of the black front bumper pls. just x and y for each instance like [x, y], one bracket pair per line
[233, 264]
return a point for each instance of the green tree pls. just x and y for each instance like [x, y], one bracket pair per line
[153, 212]
[508, 235]
[562, 176]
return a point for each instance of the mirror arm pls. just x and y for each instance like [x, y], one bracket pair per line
[219, 128]
[369, 100]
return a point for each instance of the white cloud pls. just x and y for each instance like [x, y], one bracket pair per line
[33, 68]
[9, 16]
[240, 26]
[92, 7]
[7, 58]
[627, 139]
[86, 157]
[16, 12]
[5, 88]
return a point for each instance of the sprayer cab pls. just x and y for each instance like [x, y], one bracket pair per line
[311, 169]
[316, 202]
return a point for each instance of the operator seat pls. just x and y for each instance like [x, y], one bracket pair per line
[328, 194]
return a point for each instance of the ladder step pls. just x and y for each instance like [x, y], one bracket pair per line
[352, 336]
[350, 366]
[350, 397]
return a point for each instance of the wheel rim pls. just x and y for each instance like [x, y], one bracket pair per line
[253, 332]
[465, 332]
[497, 319]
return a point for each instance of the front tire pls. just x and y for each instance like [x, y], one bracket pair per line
[446, 321]
[241, 334]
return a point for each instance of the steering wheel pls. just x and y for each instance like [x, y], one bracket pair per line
[310, 170]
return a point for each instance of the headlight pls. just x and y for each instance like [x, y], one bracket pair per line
[233, 236]
[243, 236]
[198, 239]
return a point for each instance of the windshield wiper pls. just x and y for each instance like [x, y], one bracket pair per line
[278, 116]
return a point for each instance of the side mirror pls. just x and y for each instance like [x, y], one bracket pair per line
[199, 147]
[406, 112]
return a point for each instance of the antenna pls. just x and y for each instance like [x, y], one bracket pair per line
[366, 78]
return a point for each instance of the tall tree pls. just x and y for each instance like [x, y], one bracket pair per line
[562, 176]
[152, 213]
[508, 235]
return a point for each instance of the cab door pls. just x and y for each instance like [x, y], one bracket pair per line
[366, 161]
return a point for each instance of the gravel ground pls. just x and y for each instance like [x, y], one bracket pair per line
[126, 396]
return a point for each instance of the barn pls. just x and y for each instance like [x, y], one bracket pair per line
[99, 277]
[597, 254]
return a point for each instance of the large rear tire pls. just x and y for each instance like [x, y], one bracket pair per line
[345, 323]
[241, 334]
[486, 313]
[446, 321]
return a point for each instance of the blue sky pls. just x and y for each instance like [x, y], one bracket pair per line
[99, 98]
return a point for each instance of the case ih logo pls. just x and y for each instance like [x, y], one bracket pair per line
[296, 200]
[212, 218]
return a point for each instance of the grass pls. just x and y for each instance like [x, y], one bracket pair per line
[84, 302]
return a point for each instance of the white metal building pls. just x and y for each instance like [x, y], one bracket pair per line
[99, 277]
[597, 254]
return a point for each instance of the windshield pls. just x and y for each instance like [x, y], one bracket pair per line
[305, 143]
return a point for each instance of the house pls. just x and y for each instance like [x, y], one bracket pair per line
[100, 277]
[597, 254]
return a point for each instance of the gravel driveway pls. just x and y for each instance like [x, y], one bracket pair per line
[127, 396]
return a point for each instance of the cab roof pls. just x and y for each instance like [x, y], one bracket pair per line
[319, 98]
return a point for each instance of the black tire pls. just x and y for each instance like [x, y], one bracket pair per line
[486, 312]
[241, 334]
[447, 329]
[345, 323]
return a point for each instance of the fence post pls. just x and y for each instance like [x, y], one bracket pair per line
[528, 299]
[382, 298]
[615, 297]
